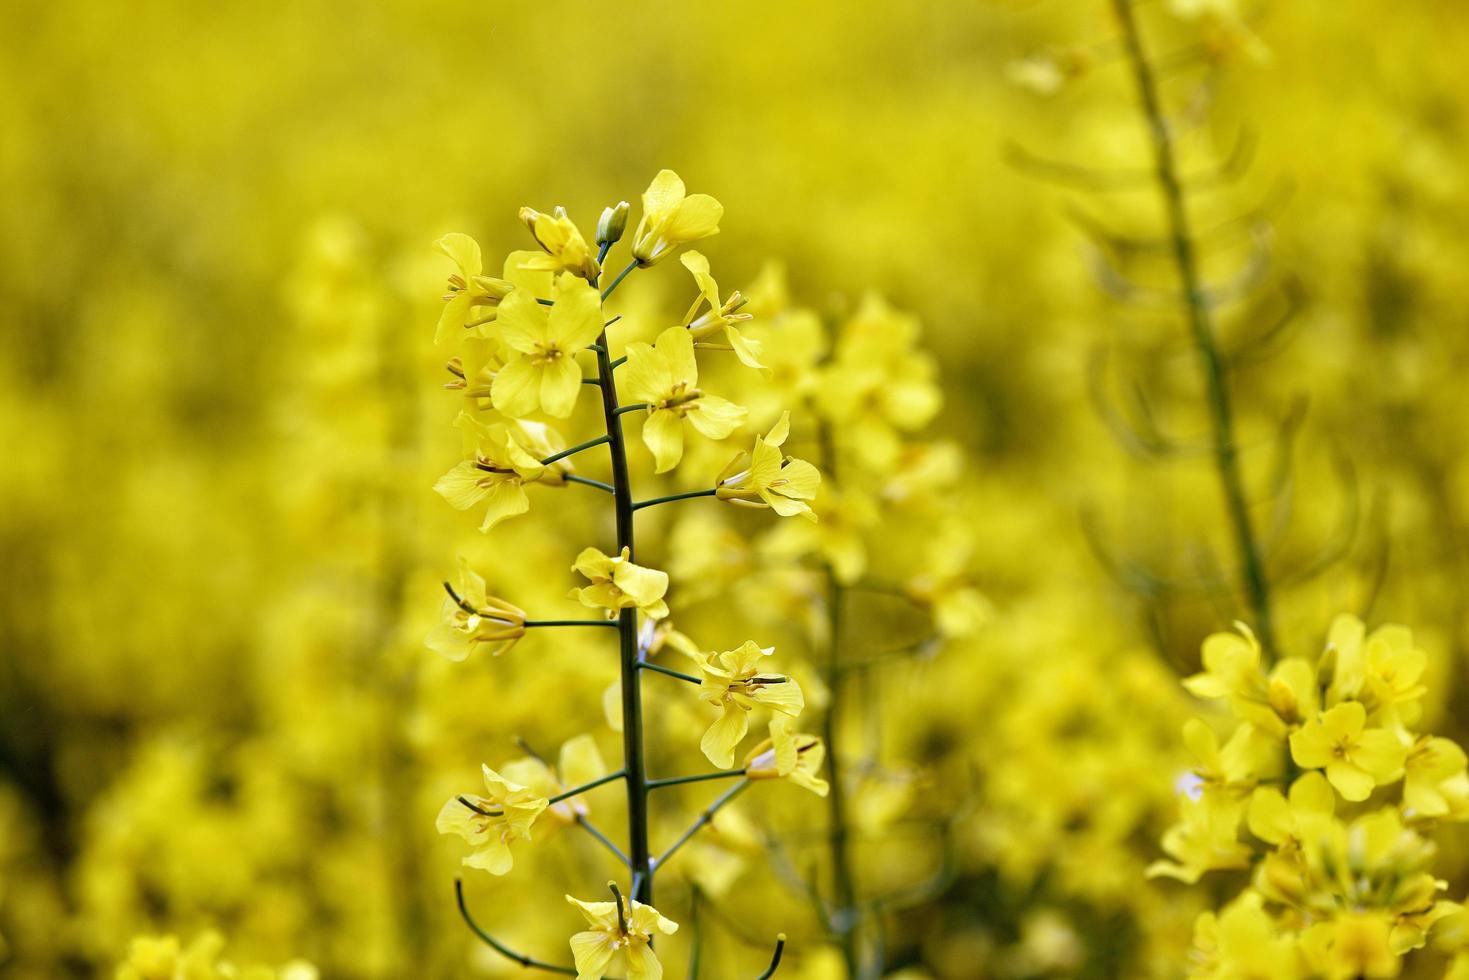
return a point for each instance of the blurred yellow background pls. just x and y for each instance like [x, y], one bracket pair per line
[219, 407]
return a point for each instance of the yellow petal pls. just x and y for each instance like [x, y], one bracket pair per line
[663, 435]
[718, 743]
[464, 251]
[516, 390]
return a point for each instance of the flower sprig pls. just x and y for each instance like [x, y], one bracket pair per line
[533, 342]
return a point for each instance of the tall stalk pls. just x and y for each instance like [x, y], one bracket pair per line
[1254, 582]
[634, 766]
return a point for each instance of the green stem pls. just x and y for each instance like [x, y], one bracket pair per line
[689, 495]
[645, 665]
[606, 842]
[534, 623]
[640, 406]
[598, 484]
[602, 781]
[700, 778]
[634, 763]
[780, 947]
[704, 819]
[499, 947]
[620, 276]
[1253, 578]
[589, 444]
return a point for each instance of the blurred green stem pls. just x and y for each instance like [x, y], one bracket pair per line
[1253, 580]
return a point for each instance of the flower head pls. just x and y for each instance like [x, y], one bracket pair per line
[672, 218]
[565, 248]
[733, 683]
[545, 375]
[665, 376]
[504, 814]
[473, 298]
[788, 755]
[495, 473]
[1355, 757]
[619, 584]
[472, 622]
[719, 317]
[766, 477]
[616, 930]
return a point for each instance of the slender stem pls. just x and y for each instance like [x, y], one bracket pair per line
[1253, 579]
[619, 362]
[687, 495]
[590, 443]
[599, 348]
[780, 947]
[466, 801]
[586, 786]
[634, 763]
[703, 820]
[499, 947]
[620, 276]
[606, 842]
[545, 302]
[646, 665]
[621, 915]
[844, 920]
[573, 478]
[700, 778]
[591, 381]
[696, 940]
[638, 407]
[533, 623]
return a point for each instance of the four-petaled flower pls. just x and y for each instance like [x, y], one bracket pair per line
[766, 477]
[665, 376]
[1356, 758]
[733, 683]
[473, 298]
[614, 930]
[672, 218]
[474, 621]
[796, 756]
[565, 248]
[503, 815]
[619, 584]
[495, 474]
[720, 316]
[545, 375]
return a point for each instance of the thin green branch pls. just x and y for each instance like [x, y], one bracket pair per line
[586, 825]
[601, 781]
[638, 407]
[499, 947]
[1253, 578]
[702, 822]
[780, 947]
[589, 444]
[534, 623]
[618, 281]
[687, 495]
[702, 777]
[598, 484]
[659, 668]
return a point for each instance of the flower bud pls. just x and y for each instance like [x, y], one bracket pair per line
[612, 223]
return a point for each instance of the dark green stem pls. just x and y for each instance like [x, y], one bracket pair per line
[533, 623]
[602, 781]
[620, 276]
[499, 947]
[598, 484]
[605, 841]
[700, 778]
[589, 444]
[634, 764]
[688, 495]
[1253, 579]
[645, 665]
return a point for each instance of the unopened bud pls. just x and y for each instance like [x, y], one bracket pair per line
[612, 223]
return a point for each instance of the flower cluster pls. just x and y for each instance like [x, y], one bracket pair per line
[1328, 793]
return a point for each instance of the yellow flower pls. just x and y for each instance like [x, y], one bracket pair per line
[566, 250]
[671, 218]
[665, 376]
[1291, 823]
[733, 683]
[1431, 764]
[1242, 941]
[1231, 666]
[1355, 758]
[505, 814]
[475, 622]
[1226, 775]
[546, 375]
[579, 763]
[613, 931]
[719, 316]
[472, 298]
[1356, 944]
[788, 755]
[619, 584]
[768, 478]
[495, 474]
[1201, 841]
